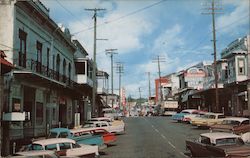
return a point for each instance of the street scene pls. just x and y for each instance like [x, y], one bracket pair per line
[125, 78]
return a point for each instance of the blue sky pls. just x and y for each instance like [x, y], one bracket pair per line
[142, 29]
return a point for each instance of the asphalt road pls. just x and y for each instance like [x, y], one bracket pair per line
[152, 137]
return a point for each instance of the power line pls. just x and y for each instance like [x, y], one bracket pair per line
[121, 17]
[79, 20]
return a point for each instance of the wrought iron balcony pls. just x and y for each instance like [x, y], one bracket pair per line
[38, 67]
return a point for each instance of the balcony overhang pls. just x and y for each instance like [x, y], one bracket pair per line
[36, 78]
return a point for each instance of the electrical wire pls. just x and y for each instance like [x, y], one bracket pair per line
[121, 17]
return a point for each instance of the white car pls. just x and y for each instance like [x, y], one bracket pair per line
[106, 125]
[65, 147]
[108, 119]
[37, 153]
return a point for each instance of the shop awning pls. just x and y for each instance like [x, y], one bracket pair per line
[5, 65]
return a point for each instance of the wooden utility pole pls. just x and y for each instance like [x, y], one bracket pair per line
[120, 71]
[140, 96]
[215, 54]
[111, 53]
[94, 108]
[158, 60]
[248, 71]
[149, 86]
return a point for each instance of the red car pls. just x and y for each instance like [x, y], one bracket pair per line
[107, 136]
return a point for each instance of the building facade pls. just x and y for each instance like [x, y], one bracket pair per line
[46, 87]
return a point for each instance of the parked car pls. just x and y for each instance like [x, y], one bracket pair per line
[107, 136]
[208, 120]
[106, 125]
[108, 119]
[218, 144]
[189, 117]
[81, 137]
[179, 116]
[34, 153]
[232, 124]
[65, 147]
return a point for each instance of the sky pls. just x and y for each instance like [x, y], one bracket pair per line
[176, 30]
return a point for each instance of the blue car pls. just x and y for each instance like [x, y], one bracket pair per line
[179, 116]
[81, 137]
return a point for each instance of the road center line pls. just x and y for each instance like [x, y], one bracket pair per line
[163, 136]
[157, 130]
[171, 145]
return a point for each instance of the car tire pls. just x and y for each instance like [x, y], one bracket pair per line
[190, 152]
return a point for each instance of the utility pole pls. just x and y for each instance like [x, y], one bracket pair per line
[215, 54]
[111, 53]
[149, 86]
[94, 65]
[140, 96]
[120, 71]
[248, 68]
[159, 60]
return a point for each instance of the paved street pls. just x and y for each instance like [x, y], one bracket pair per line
[151, 137]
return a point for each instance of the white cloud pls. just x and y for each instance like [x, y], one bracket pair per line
[231, 22]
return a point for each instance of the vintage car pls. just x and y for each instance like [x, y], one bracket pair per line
[81, 137]
[65, 147]
[217, 144]
[107, 136]
[179, 116]
[232, 124]
[36, 153]
[108, 119]
[208, 120]
[189, 117]
[105, 125]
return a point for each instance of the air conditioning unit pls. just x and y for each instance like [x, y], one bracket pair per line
[27, 116]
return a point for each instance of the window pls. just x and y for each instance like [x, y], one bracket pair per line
[48, 53]
[241, 67]
[64, 70]
[63, 135]
[221, 116]
[80, 68]
[36, 147]
[64, 146]
[51, 147]
[69, 71]
[53, 64]
[205, 140]
[16, 105]
[39, 56]
[22, 49]
[57, 66]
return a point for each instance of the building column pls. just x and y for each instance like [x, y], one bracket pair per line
[1, 110]
[248, 98]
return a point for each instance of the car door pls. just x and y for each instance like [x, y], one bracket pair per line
[75, 150]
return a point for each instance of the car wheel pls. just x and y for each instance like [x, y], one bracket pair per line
[189, 152]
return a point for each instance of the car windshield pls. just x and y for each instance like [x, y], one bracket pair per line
[228, 141]
[231, 122]
[86, 125]
[52, 135]
[36, 147]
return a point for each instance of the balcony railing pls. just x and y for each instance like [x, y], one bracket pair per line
[38, 67]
